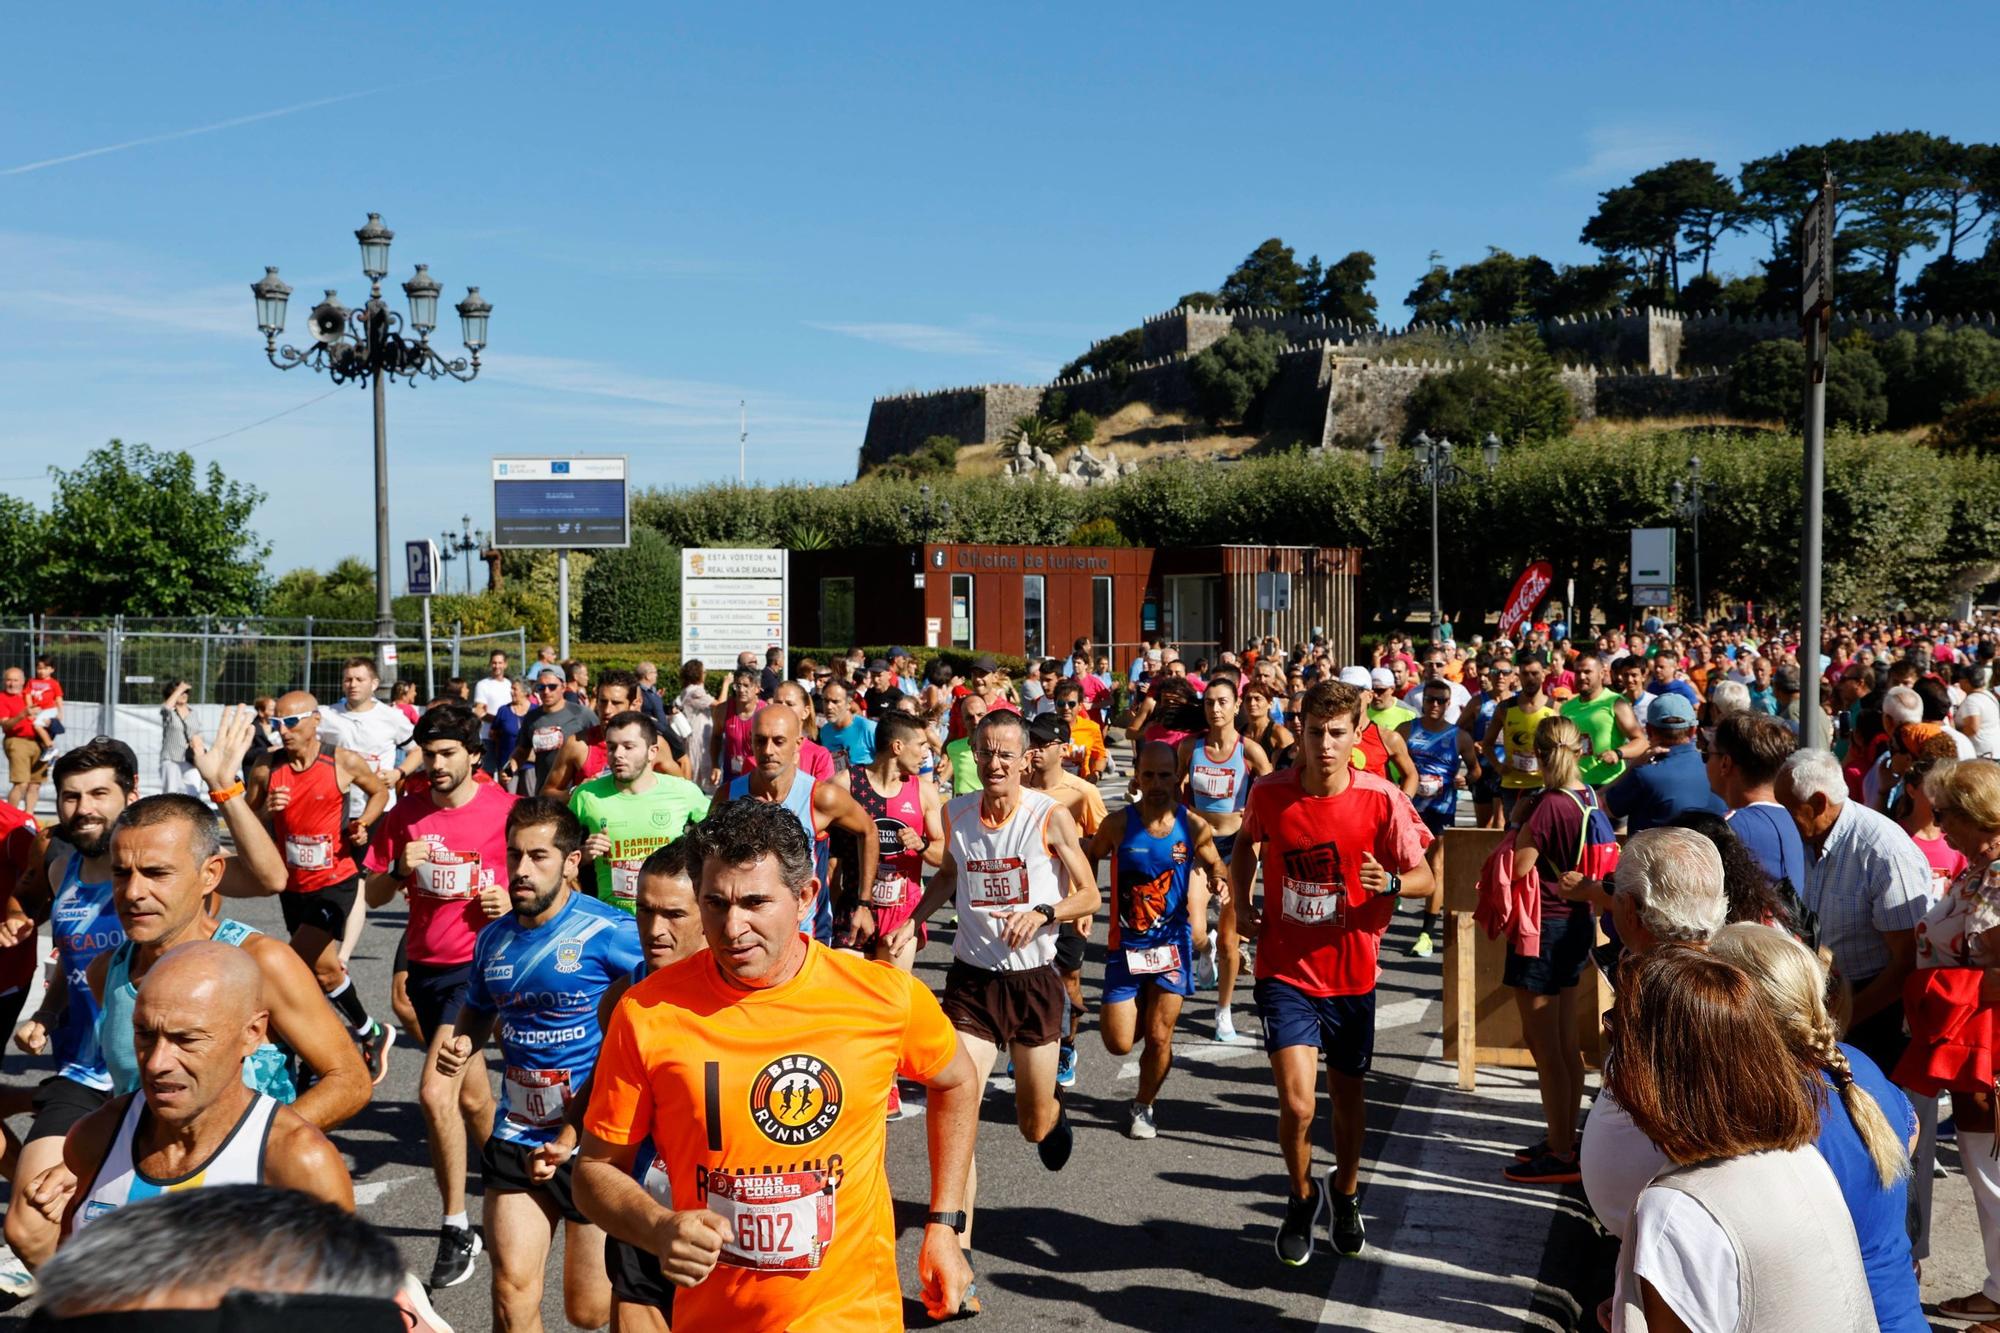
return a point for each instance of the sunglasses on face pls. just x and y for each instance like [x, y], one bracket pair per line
[291, 720]
[548, 685]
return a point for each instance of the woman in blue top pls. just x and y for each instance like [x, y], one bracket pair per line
[1866, 1125]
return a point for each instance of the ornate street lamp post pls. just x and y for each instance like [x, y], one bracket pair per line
[368, 345]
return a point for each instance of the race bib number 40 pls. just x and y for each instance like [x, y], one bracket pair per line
[997, 884]
[449, 874]
[537, 1097]
[777, 1223]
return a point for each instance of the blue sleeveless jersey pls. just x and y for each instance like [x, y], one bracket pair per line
[1436, 753]
[544, 984]
[1218, 786]
[266, 1069]
[84, 925]
[800, 802]
[1149, 883]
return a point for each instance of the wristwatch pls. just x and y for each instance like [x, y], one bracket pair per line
[956, 1221]
[1395, 885]
[1048, 912]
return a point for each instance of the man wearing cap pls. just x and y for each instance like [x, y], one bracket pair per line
[549, 726]
[1376, 749]
[903, 672]
[1668, 779]
[1785, 689]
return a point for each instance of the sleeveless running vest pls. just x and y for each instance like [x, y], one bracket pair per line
[1436, 755]
[84, 925]
[1004, 869]
[1218, 786]
[1597, 719]
[1149, 882]
[1371, 752]
[309, 829]
[899, 871]
[239, 1161]
[264, 1069]
[799, 800]
[1523, 771]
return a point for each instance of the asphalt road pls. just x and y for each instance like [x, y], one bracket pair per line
[1171, 1233]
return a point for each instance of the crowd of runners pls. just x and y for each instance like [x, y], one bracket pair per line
[658, 956]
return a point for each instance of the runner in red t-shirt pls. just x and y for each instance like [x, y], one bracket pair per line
[445, 846]
[1336, 848]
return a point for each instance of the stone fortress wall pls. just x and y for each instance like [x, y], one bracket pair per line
[1336, 385]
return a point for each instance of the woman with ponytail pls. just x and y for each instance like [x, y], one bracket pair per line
[1866, 1125]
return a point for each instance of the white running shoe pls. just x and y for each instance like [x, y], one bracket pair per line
[15, 1279]
[1225, 1027]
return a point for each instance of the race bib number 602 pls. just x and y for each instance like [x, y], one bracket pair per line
[776, 1223]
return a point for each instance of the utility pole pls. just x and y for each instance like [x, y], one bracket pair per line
[742, 438]
[1816, 315]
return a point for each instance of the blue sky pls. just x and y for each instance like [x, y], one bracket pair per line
[673, 208]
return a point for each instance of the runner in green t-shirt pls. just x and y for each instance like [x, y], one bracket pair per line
[629, 810]
[1606, 719]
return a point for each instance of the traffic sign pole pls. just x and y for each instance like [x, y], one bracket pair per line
[1817, 316]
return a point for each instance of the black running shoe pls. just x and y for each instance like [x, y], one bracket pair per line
[457, 1248]
[1532, 1151]
[1346, 1230]
[375, 1050]
[1055, 1149]
[1294, 1241]
[1548, 1169]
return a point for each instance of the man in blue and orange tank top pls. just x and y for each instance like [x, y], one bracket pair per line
[1157, 914]
[1336, 848]
[302, 795]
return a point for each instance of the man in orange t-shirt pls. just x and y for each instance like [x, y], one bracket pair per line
[759, 1068]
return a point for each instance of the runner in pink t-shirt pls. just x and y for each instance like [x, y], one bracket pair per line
[445, 849]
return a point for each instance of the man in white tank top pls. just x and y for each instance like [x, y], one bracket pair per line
[1014, 868]
[199, 1013]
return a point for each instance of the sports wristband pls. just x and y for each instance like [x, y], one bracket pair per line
[230, 792]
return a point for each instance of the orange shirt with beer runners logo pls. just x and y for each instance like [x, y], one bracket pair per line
[765, 1106]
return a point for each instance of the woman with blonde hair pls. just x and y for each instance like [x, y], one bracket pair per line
[1866, 1127]
[1953, 1029]
[1567, 842]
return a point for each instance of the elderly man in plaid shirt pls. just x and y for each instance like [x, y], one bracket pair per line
[1869, 886]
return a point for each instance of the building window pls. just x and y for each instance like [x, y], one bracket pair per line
[961, 610]
[1100, 613]
[1032, 618]
[836, 613]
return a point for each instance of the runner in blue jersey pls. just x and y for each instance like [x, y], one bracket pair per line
[69, 885]
[642, 1299]
[1440, 747]
[1156, 916]
[820, 807]
[538, 979]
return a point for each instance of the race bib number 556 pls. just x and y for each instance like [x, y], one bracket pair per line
[776, 1223]
[999, 883]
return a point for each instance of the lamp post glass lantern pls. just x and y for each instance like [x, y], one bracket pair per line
[367, 346]
[1434, 470]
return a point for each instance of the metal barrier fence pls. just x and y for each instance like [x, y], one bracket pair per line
[118, 660]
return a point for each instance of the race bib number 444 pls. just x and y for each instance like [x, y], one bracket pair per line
[776, 1223]
[1310, 904]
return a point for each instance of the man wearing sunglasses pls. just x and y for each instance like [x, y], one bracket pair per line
[1085, 755]
[302, 792]
[551, 724]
